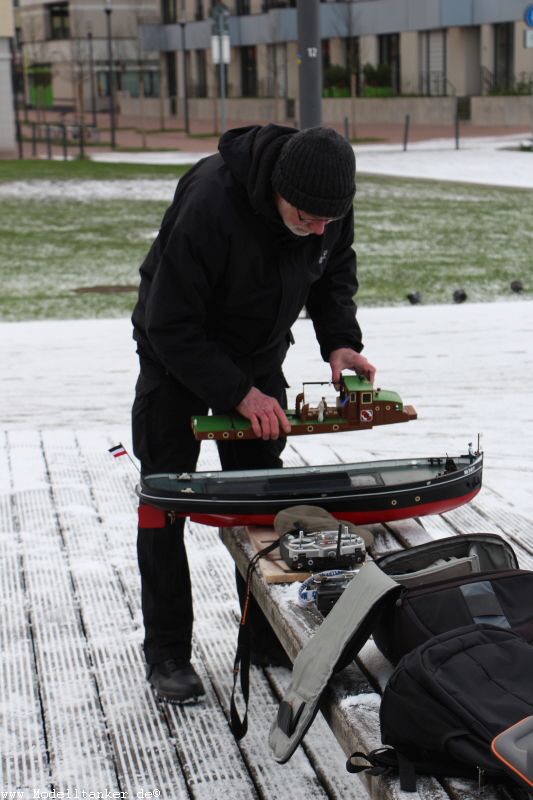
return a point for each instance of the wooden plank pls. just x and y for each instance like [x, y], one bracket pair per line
[189, 758]
[213, 580]
[23, 747]
[79, 754]
[354, 724]
[210, 758]
[322, 749]
[130, 710]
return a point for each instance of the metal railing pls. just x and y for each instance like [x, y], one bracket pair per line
[434, 83]
[67, 137]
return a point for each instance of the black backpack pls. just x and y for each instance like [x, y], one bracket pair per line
[476, 579]
[461, 615]
[448, 700]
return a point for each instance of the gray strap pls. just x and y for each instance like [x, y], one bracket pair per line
[483, 604]
[316, 661]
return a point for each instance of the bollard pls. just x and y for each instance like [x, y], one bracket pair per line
[346, 129]
[82, 143]
[406, 130]
[457, 130]
[19, 139]
[64, 138]
[48, 142]
[34, 138]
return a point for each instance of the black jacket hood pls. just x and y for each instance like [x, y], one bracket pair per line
[250, 154]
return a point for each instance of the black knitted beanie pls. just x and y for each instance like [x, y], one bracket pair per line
[315, 172]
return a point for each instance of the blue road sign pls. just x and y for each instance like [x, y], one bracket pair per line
[528, 16]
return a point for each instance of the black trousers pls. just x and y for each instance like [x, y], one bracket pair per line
[163, 442]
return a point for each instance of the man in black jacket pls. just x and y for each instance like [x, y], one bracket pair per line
[253, 234]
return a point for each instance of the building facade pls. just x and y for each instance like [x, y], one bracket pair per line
[163, 53]
[73, 49]
[7, 117]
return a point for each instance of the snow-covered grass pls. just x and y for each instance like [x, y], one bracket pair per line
[59, 238]
[54, 248]
[435, 237]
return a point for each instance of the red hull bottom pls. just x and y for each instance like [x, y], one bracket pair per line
[363, 517]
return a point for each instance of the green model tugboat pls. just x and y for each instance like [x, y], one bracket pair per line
[358, 407]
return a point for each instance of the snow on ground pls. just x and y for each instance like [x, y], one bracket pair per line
[467, 369]
[493, 161]
[84, 191]
[484, 160]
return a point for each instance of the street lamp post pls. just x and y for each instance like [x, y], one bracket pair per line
[108, 11]
[183, 26]
[220, 16]
[91, 77]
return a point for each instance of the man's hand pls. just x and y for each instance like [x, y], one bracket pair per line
[265, 414]
[345, 358]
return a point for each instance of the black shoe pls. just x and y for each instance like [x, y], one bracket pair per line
[174, 681]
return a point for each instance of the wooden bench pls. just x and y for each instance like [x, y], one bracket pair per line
[351, 702]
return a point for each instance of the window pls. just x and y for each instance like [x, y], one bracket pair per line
[276, 84]
[351, 44]
[58, 21]
[242, 7]
[268, 4]
[503, 55]
[131, 79]
[199, 10]
[389, 56]
[433, 68]
[366, 397]
[201, 74]
[326, 56]
[248, 71]
[168, 11]
[102, 83]
[40, 85]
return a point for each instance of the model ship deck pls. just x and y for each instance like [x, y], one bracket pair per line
[358, 407]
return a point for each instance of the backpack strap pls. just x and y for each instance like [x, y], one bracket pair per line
[344, 630]
[385, 759]
[241, 665]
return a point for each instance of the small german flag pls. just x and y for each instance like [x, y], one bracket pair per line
[118, 450]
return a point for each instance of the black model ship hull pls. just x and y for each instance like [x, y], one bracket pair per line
[375, 491]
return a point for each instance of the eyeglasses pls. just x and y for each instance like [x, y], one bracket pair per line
[311, 220]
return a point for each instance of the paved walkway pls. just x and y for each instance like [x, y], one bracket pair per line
[136, 133]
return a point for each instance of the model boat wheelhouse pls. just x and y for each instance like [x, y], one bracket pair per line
[358, 407]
